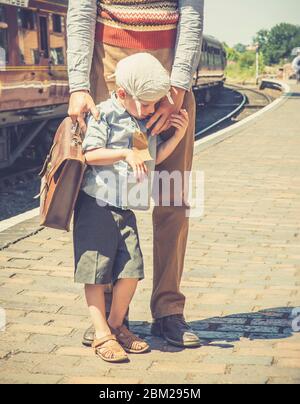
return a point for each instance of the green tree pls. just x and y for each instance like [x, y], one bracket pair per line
[240, 48]
[277, 44]
[262, 38]
[247, 60]
[232, 54]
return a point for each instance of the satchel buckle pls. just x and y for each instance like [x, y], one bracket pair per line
[76, 141]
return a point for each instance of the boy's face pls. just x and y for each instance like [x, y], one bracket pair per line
[147, 107]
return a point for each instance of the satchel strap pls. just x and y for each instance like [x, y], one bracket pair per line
[76, 132]
[47, 161]
[77, 138]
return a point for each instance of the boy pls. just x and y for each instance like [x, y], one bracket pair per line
[106, 242]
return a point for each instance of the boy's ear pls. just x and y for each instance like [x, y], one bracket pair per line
[121, 93]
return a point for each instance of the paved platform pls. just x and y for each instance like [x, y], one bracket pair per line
[18, 231]
[242, 278]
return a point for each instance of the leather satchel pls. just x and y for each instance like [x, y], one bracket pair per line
[61, 177]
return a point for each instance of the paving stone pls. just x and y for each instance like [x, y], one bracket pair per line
[98, 380]
[249, 329]
[227, 379]
[57, 365]
[283, 380]
[289, 362]
[36, 329]
[29, 378]
[270, 371]
[230, 359]
[206, 368]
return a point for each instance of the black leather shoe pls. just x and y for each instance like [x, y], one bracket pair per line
[89, 335]
[176, 331]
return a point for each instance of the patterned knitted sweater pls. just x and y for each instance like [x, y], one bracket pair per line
[138, 24]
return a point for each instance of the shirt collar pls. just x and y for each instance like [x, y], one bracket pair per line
[121, 110]
[117, 105]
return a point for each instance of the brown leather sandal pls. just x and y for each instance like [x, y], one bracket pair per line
[109, 349]
[129, 341]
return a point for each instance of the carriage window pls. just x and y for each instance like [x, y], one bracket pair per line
[44, 36]
[27, 19]
[57, 56]
[57, 40]
[3, 38]
[57, 23]
[210, 56]
[28, 37]
[203, 59]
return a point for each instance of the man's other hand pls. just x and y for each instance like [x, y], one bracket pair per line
[161, 117]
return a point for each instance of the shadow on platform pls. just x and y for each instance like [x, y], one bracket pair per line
[274, 323]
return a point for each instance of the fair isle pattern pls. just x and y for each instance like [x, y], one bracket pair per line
[139, 24]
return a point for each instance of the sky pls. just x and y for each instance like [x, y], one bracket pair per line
[237, 21]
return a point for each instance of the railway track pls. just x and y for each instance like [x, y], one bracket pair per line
[242, 103]
[256, 99]
[19, 177]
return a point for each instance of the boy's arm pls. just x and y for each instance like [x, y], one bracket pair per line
[105, 157]
[167, 148]
[180, 122]
[94, 145]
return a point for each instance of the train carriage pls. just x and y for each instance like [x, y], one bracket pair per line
[33, 66]
[33, 75]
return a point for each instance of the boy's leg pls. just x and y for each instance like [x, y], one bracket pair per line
[123, 293]
[95, 300]
[105, 344]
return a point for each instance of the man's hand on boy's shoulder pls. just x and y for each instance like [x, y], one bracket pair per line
[80, 104]
[165, 110]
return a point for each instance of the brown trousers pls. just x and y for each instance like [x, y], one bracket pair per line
[170, 224]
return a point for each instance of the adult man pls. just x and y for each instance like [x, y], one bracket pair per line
[296, 66]
[170, 30]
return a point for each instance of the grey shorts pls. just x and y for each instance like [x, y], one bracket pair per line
[106, 243]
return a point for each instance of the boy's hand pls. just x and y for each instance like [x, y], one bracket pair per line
[165, 110]
[136, 162]
[180, 122]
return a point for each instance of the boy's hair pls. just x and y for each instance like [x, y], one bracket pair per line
[144, 78]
